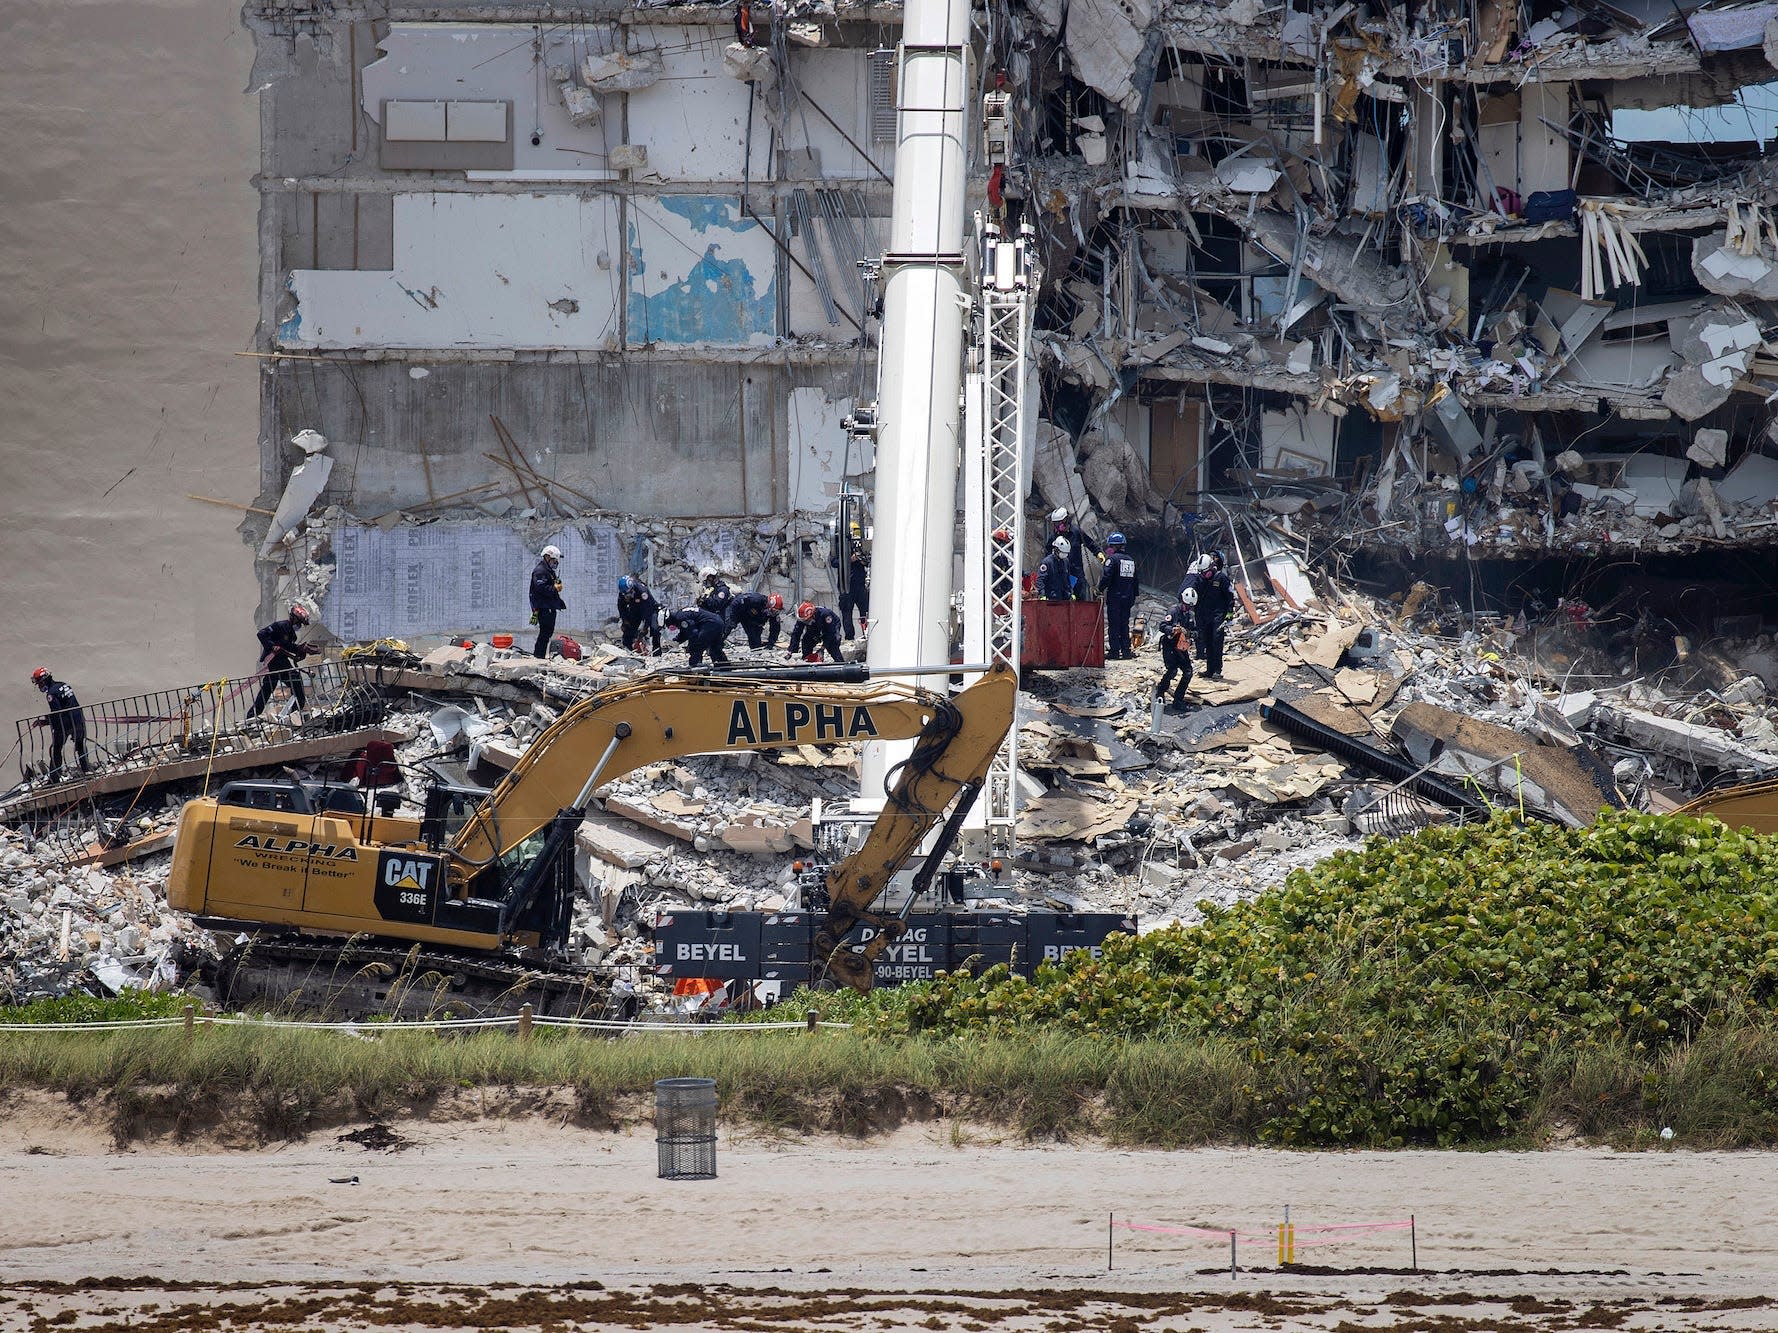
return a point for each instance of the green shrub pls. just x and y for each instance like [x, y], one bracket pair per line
[1413, 991]
[131, 1004]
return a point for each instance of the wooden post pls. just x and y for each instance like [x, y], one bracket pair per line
[525, 1024]
[191, 1013]
[1414, 1242]
[813, 1019]
[1234, 1269]
[1110, 1221]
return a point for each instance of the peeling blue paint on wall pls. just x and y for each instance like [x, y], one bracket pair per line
[704, 211]
[291, 327]
[717, 301]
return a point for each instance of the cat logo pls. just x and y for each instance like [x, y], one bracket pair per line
[407, 886]
[770, 722]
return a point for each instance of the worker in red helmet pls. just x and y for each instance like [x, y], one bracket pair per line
[66, 721]
[817, 627]
[759, 614]
[280, 654]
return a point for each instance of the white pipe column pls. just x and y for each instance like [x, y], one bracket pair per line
[920, 362]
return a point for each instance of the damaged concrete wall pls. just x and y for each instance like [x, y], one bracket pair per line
[683, 437]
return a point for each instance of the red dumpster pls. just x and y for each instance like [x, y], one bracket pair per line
[1061, 634]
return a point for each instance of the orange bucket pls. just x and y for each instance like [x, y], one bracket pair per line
[502, 640]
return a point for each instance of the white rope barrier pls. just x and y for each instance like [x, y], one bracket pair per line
[416, 1025]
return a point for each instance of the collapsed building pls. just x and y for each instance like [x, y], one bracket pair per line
[1477, 289]
[1465, 305]
[1431, 286]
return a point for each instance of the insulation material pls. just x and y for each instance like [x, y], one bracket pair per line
[700, 273]
[462, 578]
[483, 270]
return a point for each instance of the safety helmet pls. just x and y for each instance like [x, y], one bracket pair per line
[707, 573]
[39, 676]
[1199, 566]
[1188, 596]
[805, 611]
[1215, 559]
[1060, 546]
[552, 553]
[857, 531]
[624, 583]
[1058, 515]
[299, 614]
[775, 602]
[1115, 539]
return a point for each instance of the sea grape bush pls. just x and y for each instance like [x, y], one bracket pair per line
[1411, 991]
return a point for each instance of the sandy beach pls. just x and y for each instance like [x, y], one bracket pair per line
[454, 1214]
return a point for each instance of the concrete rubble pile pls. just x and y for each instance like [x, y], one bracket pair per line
[1123, 806]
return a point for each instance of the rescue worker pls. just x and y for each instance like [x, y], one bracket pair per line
[700, 632]
[1052, 572]
[638, 614]
[758, 614]
[280, 654]
[1120, 586]
[1215, 602]
[716, 594]
[1175, 641]
[745, 33]
[66, 721]
[1078, 544]
[854, 581]
[817, 627]
[546, 598]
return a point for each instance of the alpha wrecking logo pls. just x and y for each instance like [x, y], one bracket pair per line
[767, 722]
[298, 847]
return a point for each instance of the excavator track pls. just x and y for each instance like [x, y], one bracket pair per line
[361, 979]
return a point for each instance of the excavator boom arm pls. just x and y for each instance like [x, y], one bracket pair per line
[601, 738]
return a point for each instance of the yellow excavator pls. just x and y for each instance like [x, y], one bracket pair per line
[1753, 805]
[467, 908]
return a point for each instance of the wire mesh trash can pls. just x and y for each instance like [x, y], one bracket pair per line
[685, 1128]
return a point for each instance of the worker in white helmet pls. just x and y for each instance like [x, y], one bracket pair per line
[546, 598]
[1078, 544]
[1052, 573]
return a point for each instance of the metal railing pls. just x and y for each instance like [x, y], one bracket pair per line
[144, 731]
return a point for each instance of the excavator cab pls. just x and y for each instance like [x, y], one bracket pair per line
[447, 808]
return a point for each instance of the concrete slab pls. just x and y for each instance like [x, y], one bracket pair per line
[618, 842]
[1570, 785]
[651, 818]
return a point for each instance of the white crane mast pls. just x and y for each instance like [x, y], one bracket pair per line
[920, 360]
